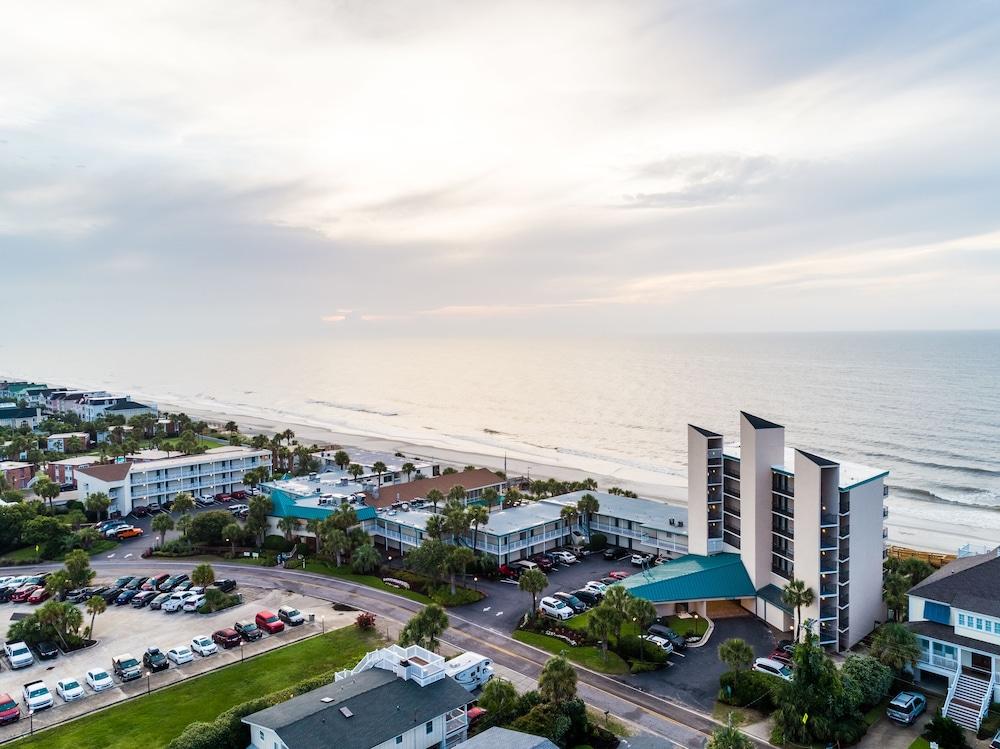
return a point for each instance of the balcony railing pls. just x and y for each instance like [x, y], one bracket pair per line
[783, 508]
[940, 661]
[783, 551]
[787, 532]
[827, 519]
[732, 506]
[827, 563]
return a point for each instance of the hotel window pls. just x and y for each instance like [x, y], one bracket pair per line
[989, 625]
[979, 623]
[961, 620]
[399, 739]
[429, 726]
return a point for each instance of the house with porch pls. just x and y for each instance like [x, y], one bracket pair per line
[955, 614]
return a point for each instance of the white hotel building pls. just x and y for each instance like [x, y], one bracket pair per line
[790, 514]
[131, 485]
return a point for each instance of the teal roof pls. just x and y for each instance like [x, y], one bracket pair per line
[287, 505]
[693, 578]
[772, 594]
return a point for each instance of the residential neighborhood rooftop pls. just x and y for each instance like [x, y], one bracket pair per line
[478, 478]
[496, 737]
[969, 583]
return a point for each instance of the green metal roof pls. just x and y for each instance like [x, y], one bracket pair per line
[772, 594]
[693, 578]
[285, 506]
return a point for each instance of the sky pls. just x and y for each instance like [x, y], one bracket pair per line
[394, 168]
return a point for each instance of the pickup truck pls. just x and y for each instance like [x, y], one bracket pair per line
[18, 654]
[37, 695]
[127, 667]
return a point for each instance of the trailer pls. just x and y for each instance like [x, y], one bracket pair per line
[471, 670]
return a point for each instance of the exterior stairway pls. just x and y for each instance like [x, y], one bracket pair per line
[965, 704]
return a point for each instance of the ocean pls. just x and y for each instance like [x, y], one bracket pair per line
[925, 406]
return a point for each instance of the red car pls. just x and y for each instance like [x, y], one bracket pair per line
[543, 562]
[154, 582]
[226, 638]
[9, 710]
[269, 622]
[222, 497]
[504, 571]
[618, 574]
[239, 494]
[781, 655]
[39, 595]
[21, 594]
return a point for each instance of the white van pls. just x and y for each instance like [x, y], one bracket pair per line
[523, 565]
[471, 670]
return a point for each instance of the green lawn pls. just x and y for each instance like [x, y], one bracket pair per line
[28, 553]
[585, 655]
[579, 623]
[153, 721]
[683, 627]
[920, 743]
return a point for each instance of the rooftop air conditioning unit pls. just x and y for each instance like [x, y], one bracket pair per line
[673, 521]
[680, 523]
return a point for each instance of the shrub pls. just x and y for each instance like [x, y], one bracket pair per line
[869, 677]
[633, 648]
[179, 547]
[749, 688]
[206, 527]
[946, 733]
[442, 595]
[597, 541]
[277, 543]
[365, 620]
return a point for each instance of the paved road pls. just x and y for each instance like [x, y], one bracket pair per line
[678, 723]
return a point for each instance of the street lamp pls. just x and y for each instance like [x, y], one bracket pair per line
[241, 651]
[148, 674]
[476, 581]
[31, 719]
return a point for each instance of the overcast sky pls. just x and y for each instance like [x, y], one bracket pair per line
[377, 168]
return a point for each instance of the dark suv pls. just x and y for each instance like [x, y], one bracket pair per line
[906, 707]
[248, 631]
[154, 660]
[661, 630]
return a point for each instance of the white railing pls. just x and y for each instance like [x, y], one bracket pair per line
[939, 660]
[714, 545]
[987, 697]
[951, 693]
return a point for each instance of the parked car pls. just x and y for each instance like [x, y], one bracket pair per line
[225, 585]
[172, 582]
[223, 497]
[269, 622]
[39, 595]
[638, 560]
[112, 532]
[18, 655]
[249, 631]
[47, 650]
[126, 667]
[906, 707]
[508, 572]
[523, 565]
[596, 587]
[291, 616]
[995, 744]
[110, 595]
[565, 557]
[572, 601]
[140, 511]
[155, 660]
[136, 583]
[180, 655]
[661, 630]
[544, 563]
[619, 574]
[10, 711]
[143, 598]
[69, 689]
[662, 643]
[226, 638]
[176, 601]
[125, 597]
[109, 525]
[23, 593]
[238, 508]
[122, 581]
[609, 581]
[204, 646]
[552, 606]
[773, 667]
[98, 679]
[588, 597]
[129, 532]
[239, 494]
[81, 595]
[204, 501]
[153, 583]
[781, 655]
[36, 695]
[159, 600]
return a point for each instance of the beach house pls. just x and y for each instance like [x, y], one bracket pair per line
[16, 417]
[955, 614]
[393, 472]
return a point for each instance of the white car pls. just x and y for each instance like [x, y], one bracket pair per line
[180, 655]
[564, 557]
[194, 602]
[595, 586]
[773, 667]
[173, 604]
[206, 499]
[238, 508]
[204, 646]
[640, 559]
[98, 679]
[555, 608]
[69, 689]
[662, 643]
[37, 696]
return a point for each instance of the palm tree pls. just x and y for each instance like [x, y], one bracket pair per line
[490, 498]
[602, 623]
[184, 523]
[434, 496]
[203, 575]
[458, 559]
[408, 469]
[379, 468]
[642, 613]
[557, 682]
[436, 527]
[477, 516]
[95, 605]
[251, 479]
[365, 559]
[894, 588]
[895, 646]
[512, 497]
[46, 488]
[312, 526]
[161, 524]
[287, 526]
[457, 520]
[435, 622]
[230, 532]
[231, 427]
[729, 737]
[588, 506]
[341, 459]
[355, 470]
[796, 594]
[288, 435]
[183, 502]
[736, 653]
[457, 494]
[259, 442]
[533, 582]
[569, 515]
[98, 503]
[337, 541]
[617, 599]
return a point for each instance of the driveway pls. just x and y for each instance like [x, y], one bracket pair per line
[885, 734]
[693, 676]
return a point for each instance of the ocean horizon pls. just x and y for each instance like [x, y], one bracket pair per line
[924, 406]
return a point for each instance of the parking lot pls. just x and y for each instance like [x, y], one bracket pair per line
[123, 629]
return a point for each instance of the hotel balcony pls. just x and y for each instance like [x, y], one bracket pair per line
[827, 610]
[783, 508]
[730, 528]
[786, 531]
[844, 550]
[731, 487]
[844, 570]
[715, 493]
[732, 506]
[828, 541]
[885, 490]
[783, 550]
[845, 504]
[827, 633]
[731, 468]
[828, 520]
[844, 623]
[714, 512]
[827, 588]
[845, 528]
[827, 562]
[885, 532]
[713, 453]
[845, 598]
[714, 545]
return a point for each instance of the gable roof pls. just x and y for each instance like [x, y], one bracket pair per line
[107, 471]
[821, 462]
[382, 706]
[693, 578]
[497, 736]
[971, 583]
[475, 479]
[704, 432]
[126, 406]
[18, 413]
[758, 423]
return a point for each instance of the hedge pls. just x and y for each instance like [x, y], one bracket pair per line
[750, 688]
[277, 543]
